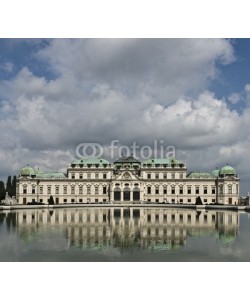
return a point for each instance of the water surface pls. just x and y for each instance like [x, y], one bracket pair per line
[124, 234]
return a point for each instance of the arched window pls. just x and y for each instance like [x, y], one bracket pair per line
[117, 194]
[136, 194]
[126, 194]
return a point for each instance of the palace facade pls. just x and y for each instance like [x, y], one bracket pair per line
[127, 180]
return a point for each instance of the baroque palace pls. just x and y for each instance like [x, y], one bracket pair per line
[127, 180]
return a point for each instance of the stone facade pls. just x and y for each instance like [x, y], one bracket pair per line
[127, 180]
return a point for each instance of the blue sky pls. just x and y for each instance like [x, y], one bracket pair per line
[193, 93]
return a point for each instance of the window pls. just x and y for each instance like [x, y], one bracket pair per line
[181, 200]
[65, 200]
[149, 189]
[237, 189]
[213, 189]
[81, 176]
[173, 175]
[41, 189]
[157, 200]
[197, 190]
[96, 200]
[189, 190]
[165, 175]
[73, 176]
[104, 176]
[205, 200]
[65, 189]
[57, 189]
[25, 190]
[72, 200]
[96, 190]
[229, 189]
[96, 175]
[181, 190]
[88, 176]
[49, 190]
[33, 190]
[181, 175]
[88, 190]
[164, 190]
[156, 176]
[172, 190]
[80, 189]
[205, 190]
[221, 189]
[157, 190]
[72, 190]
[189, 200]
[149, 176]
[213, 200]
[80, 200]
[104, 190]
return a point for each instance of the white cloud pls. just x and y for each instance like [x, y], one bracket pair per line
[131, 90]
[8, 67]
[234, 98]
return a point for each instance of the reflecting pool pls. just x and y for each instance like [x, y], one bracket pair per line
[124, 234]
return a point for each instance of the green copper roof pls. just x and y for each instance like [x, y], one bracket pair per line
[127, 160]
[227, 170]
[27, 171]
[215, 173]
[90, 161]
[162, 161]
[199, 175]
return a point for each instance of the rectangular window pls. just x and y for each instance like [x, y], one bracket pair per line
[65, 189]
[104, 176]
[213, 189]
[24, 190]
[181, 190]
[165, 190]
[33, 190]
[96, 175]
[73, 176]
[72, 200]
[149, 176]
[157, 200]
[181, 175]
[57, 189]
[205, 190]
[230, 189]
[165, 175]
[221, 189]
[80, 189]
[41, 189]
[189, 190]
[197, 190]
[88, 176]
[149, 189]
[157, 190]
[80, 176]
[65, 200]
[49, 190]
[88, 190]
[189, 200]
[172, 190]
[173, 175]
[181, 200]
[80, 200]
[205, 200]
[96, 190]
[157, 176]
[72, 190]
[104, 190]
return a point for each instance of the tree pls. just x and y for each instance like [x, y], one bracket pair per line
[198, 201]
[51, 200]
[2, 191]
[13, 186]
[9, 186]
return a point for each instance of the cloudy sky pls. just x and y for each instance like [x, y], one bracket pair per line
[192, 93]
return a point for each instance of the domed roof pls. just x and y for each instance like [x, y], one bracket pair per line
[227, 170]
[215, 173]
[27, 171]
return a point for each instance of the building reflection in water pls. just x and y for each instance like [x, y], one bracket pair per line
[125, 228]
